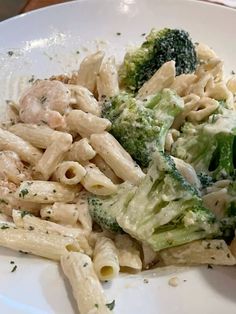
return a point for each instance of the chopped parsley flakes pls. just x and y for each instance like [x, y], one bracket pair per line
[24, 213]
[2, 201]
[14, 269]
[111, 305]
[23, 192]
[4, 227]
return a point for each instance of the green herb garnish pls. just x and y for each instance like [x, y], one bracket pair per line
[14, 269]
[23, 193]
[111, 305]
[4, 227]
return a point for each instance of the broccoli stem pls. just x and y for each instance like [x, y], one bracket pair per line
[176, 237]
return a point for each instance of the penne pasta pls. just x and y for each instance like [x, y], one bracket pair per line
[86, 287]
[8, 201]
[53, 155]
[88, 71]
[96, 182]
[80, 151]
[128, 254]
[150, 257]
[76, 215]
[86, 123]
[45, 192]
[163, 78]
[60, 212]
[69, 172]
[199, 252]
[30, 222]
[105, 259]
[51, 246]
[83, 99]
[107, 79]
[108, 172]
[116, 157]
[12, 169]
[26, 152]
[84, 218]
[40, 136]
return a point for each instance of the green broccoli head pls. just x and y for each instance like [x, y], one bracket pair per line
[210, 147]
[159, 47]
[103, 210]
[163, 211]
[166, 210]
[141, 126]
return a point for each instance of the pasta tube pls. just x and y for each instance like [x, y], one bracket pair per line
[84, 100]
[51, 246]
[105, 259]
[61, 212]
[26, 152]
[80, 151]
[199, 252]
[86, 287]
[107, 79]
[12, 169]
[40, 136]
[30, 222]
[88, 71]
[45, 192]
[163, 78]
[128, 253]
[53, 155]
[96, 182]
[108, 172]
[116, 157]
[86, 123]
[69, 172]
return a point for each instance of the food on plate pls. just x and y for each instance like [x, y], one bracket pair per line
[160, 46]
[123, 168]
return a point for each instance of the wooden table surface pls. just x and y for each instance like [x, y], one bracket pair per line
[10, 8]
[36, 4]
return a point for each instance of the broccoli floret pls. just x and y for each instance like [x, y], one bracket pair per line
[210, 147]
[103, 210]
[141, 126]
[159, 47]
[166, 210]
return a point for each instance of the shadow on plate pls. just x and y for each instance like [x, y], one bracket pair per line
[49, 285]
[221, 279]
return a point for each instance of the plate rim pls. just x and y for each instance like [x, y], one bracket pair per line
[50, 7]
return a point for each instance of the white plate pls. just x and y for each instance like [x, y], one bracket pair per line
[45, 42]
